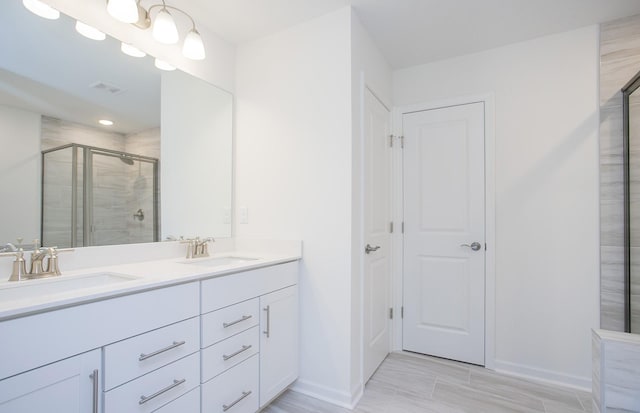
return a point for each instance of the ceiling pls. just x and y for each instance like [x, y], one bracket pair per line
[411, 32]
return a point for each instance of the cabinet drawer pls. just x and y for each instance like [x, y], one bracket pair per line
[226, 354]
[141, 354]
[187, 403]
[221, 324]
[157, 388]
[224, 291]
[234, 391]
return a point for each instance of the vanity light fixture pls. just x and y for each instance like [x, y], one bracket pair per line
[105, 122]
[89, 32]
[162, 24]
[162, 65]
[132, 51]
[40, 9]
[125, 11]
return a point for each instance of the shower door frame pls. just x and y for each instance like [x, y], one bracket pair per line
[87, 161]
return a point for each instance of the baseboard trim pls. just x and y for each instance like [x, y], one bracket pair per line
[328, 394]
[547, 376]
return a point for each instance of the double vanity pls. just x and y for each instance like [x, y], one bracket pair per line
[212, 334]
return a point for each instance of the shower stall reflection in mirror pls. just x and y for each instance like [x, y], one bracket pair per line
[95, 196]
[631, 161]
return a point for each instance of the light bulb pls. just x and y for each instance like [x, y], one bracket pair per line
[164, 28]
[131, 50]
[124, 10]
[105, 122]
[193, 48]
[162, 65]
[89, 31]
[40, 9]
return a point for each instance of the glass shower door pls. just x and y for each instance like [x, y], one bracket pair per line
[121, 202]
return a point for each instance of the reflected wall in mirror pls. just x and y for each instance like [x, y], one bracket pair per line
[54, 87]
[631, 112]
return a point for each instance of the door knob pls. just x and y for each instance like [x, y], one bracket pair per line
[368, 249]
[474, 246]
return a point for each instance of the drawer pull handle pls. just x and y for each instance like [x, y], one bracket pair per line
[268, 330]
[94, 378]
[236, 401]
[244, 348]
[244, 318]
[162, 350]
[176, 383]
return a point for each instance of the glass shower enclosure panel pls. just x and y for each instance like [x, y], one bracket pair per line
[94, 196]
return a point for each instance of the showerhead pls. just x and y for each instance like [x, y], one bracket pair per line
[126, 159]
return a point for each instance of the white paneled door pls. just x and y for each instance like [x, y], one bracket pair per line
[377, 237]
[444, 232]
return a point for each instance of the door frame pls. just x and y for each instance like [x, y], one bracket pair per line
[397, 273]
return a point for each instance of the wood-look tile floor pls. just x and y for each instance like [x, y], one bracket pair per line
[407, 383]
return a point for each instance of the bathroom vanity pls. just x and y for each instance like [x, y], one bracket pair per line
[215, 334]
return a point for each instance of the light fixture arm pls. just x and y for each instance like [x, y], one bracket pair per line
[164, 5]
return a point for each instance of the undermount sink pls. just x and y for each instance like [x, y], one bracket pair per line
[218, 261]
[20, 290]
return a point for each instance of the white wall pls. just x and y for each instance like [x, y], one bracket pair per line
[369, 69]
[546, 163]
[293, 169]
[20, 170]
[218, 68]
[196, 157]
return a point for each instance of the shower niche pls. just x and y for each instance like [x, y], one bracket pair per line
[95, 196]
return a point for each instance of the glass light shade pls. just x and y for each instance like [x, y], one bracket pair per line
[164, 28]
[89, 31]
[124, 10]
[105, 122]
[131, 50]
[40, 9]
[193, 48]
[162, 65]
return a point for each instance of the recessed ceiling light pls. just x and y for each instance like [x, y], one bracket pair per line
[40, 9]
[162, 65]
[89, 31]
[105, 122]
[131, 50]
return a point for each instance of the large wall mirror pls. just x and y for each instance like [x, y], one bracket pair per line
[162, 169]
[631, 114]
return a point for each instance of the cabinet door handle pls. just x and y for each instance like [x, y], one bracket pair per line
[243, 349]
[162, 350]
[268, 330]
[176, 383]
[94, 379]
[236, 401]
[240, 320]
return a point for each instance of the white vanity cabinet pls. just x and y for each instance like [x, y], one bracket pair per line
[70, 386]
[278, 342]
[239, 312]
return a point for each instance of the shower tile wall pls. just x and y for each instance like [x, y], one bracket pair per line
[113, 214]
[619, 62]
[140, 176]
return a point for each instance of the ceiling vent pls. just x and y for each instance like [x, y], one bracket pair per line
[106, 87]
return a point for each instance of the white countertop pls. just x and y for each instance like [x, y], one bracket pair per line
[147, 275]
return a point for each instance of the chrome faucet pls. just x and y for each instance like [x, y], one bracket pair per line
[198, 248]
[37, 268]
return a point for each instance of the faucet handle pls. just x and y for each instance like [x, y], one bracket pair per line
[19, 271]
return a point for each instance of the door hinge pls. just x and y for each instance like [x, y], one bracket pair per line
[402, 227]
[391, 227]
[391, 141]
[402, 312]
[485, 246]
[391, 313]
[401, 141]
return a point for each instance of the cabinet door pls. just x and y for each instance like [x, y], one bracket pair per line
[68, 386]
[278, 342]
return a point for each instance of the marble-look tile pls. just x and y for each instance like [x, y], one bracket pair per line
[611, 223]
[480, 391]
[612, 270]
[612, 311]
[611, 181]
